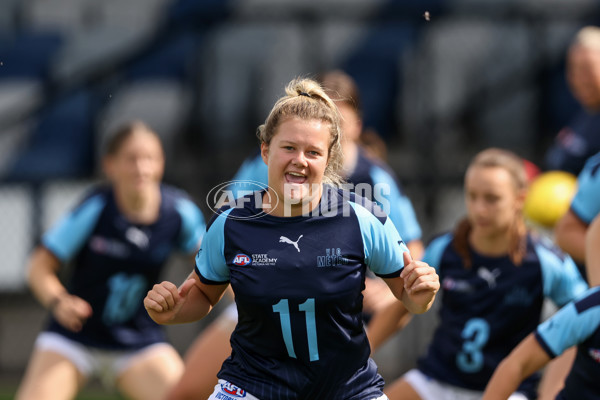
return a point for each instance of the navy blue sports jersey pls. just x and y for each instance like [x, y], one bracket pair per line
[370, 179]
[575, 143]
[578, 323]
[117, 262]
[488, 309]
[297, 284]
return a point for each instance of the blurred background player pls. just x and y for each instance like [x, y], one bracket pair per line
[576, 148]
[571, 229]
[494, 276]
[298, 298]
[580, 140]
[576, 324]
[204, 357]
[118, 238]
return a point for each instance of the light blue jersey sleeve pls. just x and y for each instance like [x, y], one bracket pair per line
[69, 234]
[193, 225]
[398, 206]
[211, 266]
[562, 280]
[383, 246]
[570, 325]
[435, 250]
[585, 203]
[252, 173]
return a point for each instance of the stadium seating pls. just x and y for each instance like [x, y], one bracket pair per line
[60, 145]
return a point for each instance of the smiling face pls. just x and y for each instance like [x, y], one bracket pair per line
[137, 165]
[492, 200]
[297, 157]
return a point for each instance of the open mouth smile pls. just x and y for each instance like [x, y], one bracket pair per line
[295, 177]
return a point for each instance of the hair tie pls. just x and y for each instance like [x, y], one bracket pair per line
[305, 94]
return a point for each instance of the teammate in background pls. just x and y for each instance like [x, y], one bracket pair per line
[297, 267]
[494, 276]
[584, 77]
[394, 317]
[204, 357]
[581, 139]
[118, 238]
[571, 228]
[373, 145]
[576, 324]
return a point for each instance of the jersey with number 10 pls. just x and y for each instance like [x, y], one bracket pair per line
[116, 262]
[297, 284]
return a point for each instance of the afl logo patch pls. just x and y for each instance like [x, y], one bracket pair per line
[241, 260]
[232, 390]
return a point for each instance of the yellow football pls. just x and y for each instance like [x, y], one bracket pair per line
[549, 197]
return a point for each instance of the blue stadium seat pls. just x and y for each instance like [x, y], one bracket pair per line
[60, 145]
[194, 13]
[164, 105]
[376, 65]
[29, 54]
[415, 8]
[103, 47]
[171, 58]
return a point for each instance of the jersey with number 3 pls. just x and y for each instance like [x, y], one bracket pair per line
[486, 310]
[297, 284]
[116, 262]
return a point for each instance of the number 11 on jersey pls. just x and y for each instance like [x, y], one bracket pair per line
[283, 308]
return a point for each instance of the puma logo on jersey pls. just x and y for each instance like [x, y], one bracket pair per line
[289, 241]
[488, 276]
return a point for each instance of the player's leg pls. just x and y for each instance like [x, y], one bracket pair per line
[400, 389]
[414, 385]
[204, 358]
[150, 373]
[54, 371]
